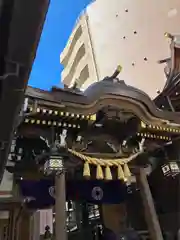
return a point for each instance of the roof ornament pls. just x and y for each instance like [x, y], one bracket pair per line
[113, 77]
[63, 136]
[174, 38]
[117, 71]
[169, 36]
[73, 88]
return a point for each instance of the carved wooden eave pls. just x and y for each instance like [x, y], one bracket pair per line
[169, 97]
[111, 104]
[175, 49]
[100, 95]
[46, 106]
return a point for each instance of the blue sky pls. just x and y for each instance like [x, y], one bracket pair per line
[60, 21]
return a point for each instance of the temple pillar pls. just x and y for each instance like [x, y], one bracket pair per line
[11, 225]
[149, 208]
[60, 207]
[23, 226]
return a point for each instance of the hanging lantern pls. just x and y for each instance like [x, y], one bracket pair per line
[55, 162]
[170, 169]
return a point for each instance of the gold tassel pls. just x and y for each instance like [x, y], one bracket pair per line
[108, 175]
[99, 172]
[127, 172]
[86, 170]
[120, 173]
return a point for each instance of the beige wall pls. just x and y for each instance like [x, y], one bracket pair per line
[77, 56]
[126, 32]
[111, 21]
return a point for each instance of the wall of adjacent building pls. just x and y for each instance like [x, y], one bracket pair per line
[6, 186]
[77, 57]
[130, 33]
[6, 191]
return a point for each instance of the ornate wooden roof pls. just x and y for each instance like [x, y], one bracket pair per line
[101, 96]
[169, 97]
[109, 120]
[104, 108]
[106, 126]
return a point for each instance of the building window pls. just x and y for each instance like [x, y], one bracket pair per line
[72, 69]
[84, 75]
[76, 37]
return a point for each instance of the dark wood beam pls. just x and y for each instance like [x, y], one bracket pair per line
[20, 33]
[149, 208]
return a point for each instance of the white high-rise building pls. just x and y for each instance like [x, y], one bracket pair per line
[125, 32]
